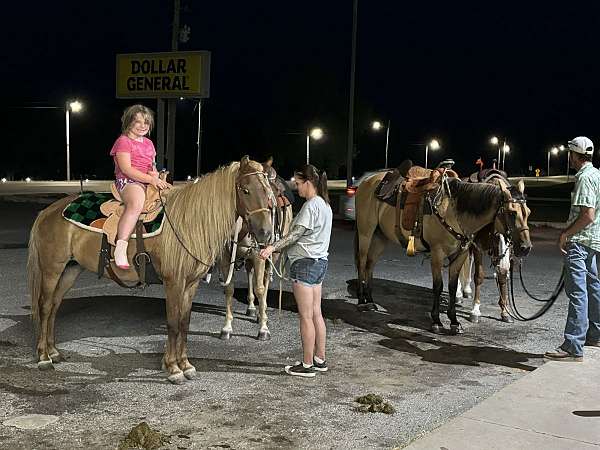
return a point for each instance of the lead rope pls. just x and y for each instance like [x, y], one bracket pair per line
[237, 228]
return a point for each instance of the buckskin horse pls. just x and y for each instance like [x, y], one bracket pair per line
[459, 211]
[200, 217]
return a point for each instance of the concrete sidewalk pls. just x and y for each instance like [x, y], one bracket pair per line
[555, 407]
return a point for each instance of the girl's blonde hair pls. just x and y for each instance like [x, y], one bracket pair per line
[129, 114]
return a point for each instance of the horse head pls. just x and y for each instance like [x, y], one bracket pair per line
[512, 217]
[255, 200]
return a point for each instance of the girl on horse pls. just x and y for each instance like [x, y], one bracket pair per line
[135, 168]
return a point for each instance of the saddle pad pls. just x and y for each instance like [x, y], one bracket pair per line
[85, 209]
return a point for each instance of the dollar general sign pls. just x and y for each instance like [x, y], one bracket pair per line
[163, 75]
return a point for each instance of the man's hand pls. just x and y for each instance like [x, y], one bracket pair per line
[562, 243]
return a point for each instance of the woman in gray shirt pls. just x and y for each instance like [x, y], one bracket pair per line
[307, 246]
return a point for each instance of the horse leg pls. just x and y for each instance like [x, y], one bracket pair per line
[453, 271]
[263, 277]
[66, 282]
[228, 328]
[502, 270]
[437, 260]
[375, 250]
[478, 278]
[361, 251]
[189, 371]
[251, 310]
[175, 297]
[502, 278]
[50, 277]
[464, 281]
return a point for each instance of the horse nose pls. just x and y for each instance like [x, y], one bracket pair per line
[525, 249]
[264, 235]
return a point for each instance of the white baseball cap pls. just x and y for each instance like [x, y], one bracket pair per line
[582, 145]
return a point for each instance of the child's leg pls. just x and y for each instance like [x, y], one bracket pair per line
[133, 196]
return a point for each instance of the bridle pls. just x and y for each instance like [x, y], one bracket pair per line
[507, 216]
[271, 202]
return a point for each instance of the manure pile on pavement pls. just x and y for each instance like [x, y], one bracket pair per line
[372, 403]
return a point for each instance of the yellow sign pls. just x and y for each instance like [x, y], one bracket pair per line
[163, 75]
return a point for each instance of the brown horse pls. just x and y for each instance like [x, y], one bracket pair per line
[460, 210]
[200, 218]
[257, 269]
[497, 240]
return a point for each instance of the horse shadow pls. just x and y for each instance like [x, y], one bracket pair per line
[405, 307]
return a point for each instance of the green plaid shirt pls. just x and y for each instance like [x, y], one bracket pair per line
[586, 193]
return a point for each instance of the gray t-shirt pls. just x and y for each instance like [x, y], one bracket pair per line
[316, 216]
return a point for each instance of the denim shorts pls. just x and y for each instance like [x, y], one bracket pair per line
[308, 271]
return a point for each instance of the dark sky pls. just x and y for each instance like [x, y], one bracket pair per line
[459, 73]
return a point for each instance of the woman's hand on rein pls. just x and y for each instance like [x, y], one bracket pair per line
[160, 184]
[266, 252]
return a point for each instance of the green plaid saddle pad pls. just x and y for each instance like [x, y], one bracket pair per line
[86, 208]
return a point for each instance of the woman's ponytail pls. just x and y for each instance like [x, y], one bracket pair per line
[322, 187]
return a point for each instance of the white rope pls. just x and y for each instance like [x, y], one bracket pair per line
[237, 228]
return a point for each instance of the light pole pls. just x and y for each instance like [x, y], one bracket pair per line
[505, 150]
[376, 126]
[316, 134]
[553, 151]
[562, 149]
[434, 144]
[76, 107]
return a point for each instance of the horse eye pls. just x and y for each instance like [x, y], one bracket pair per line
[246, 191]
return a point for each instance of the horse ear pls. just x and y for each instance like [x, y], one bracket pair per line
[245, 160]
[521, 186]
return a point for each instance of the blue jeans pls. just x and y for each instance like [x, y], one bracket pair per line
[583, 289]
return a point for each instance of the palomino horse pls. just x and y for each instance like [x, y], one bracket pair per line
[259, 275]
[497, 239]
[200, 218]
[460, 210]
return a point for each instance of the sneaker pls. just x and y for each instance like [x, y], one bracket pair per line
[320, 367]
[561, 355]
[592, 343]
[300, 371]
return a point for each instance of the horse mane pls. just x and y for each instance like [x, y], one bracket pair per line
[474, 198]
[203, 214]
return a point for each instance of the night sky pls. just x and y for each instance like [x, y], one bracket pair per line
[457, 73]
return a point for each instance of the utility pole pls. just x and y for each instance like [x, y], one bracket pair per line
[172, 102]
[350, 150]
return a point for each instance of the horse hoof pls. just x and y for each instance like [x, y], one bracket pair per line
[456, 329]
[57, 358]
[507, 319]
[251, 312]
[264, 335]
[225, 335]
[363, 307]
[437, 329]
[467, 295]
[45, 365]
[474, 318]
[176, 378]
[190, 373]
[458, 301]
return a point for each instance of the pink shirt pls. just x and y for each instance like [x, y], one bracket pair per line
[142, 154]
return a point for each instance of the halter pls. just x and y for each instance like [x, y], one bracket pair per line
[502, 214]
[270, 196]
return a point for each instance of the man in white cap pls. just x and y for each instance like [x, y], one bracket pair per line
[580, 242]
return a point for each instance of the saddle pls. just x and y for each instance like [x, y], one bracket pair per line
[486, 175]
[113, 209]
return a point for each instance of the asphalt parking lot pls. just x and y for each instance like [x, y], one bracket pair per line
[241, 399]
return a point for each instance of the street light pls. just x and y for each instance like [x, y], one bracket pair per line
[552, 151]
[494, 140]
[376, 126]
[505, 150]
[316, 134]
[76, 107]
[434, 144]
[562, 148]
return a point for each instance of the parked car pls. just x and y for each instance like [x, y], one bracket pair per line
[347, 210]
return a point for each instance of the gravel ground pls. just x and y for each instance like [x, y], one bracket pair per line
[241, 398]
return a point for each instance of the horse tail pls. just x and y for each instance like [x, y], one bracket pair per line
[34, 270]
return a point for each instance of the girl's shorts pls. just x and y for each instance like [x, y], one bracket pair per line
[308, 271]
[120, 183]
